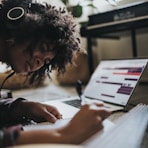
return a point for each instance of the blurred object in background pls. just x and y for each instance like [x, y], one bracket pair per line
[78, 71]
[5, 94]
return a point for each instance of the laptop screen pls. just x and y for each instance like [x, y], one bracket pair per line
[114, 80]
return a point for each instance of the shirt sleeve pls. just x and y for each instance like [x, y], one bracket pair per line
[8, 136]
[6, 107]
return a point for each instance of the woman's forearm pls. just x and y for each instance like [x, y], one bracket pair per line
[84, 124]
[39, 136]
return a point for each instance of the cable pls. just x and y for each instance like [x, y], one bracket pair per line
[11, 74]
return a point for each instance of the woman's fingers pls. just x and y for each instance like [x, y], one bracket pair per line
[98, 109]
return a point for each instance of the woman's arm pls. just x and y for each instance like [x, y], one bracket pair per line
[7, 117]
[21, 110]
[85, 123]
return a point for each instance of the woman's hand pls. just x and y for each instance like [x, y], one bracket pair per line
[37, 112]
[85, 123]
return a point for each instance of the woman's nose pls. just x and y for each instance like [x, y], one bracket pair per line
[38, 63]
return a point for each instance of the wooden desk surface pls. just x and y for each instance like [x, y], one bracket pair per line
[50, 93]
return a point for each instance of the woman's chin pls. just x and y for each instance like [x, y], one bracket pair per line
[17, 70]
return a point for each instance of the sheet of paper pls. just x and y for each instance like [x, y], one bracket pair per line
[107, 126]
[46, 125]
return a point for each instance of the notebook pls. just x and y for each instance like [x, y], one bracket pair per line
[129, 131]
[113, 82]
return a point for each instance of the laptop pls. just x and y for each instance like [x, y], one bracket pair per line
[113, 82]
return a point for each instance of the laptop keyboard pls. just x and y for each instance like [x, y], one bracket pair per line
[76, 103]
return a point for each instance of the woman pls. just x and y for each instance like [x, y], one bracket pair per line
[36, 39]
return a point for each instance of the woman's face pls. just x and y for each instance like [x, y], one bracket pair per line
[21, 61]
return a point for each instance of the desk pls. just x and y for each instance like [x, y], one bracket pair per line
[63, 91]
[104, 25]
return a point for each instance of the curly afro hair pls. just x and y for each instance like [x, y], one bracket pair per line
[41, 24]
